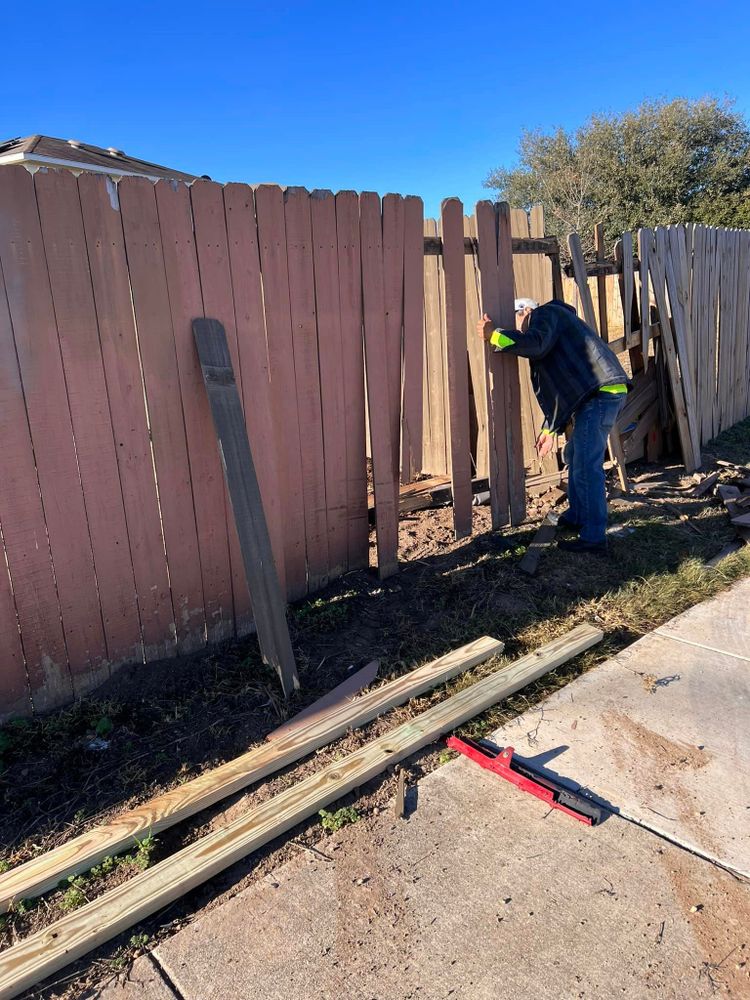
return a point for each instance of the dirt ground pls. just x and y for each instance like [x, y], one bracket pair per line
[151, 728]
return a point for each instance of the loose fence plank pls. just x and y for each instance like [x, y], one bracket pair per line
[393, 288]
[456, 360]
[269, 207]
[209, 220]
[77, 855]
[477, 355]
[186, 303]
[544, 537]
[497, 405]
[45, 952]
[244, 264]
[75, 314]
[350, 303]
[435, 410]
[41, 658]
[412, 403]
[628, 284]
[644, 242]
[157, 348]
[307, 379]
[601, 283]
[378, 395]
[242, 483]
[109, 274]
[331, 363]
[37, 348]
[509, 366]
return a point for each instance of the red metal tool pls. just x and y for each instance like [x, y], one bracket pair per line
[501, 761]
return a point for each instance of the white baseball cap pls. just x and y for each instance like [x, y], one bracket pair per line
[526, 304]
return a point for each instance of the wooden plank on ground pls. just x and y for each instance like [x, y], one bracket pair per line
[79, 854]
[307, 379]
[330, 703]
[452, 216]
[43, 953]
[244, 264]
[186, 303]
[269, 605]
[411, 415]
[541, 541]
[114, 310]
[378, 394]
[75, 314]
[350, 301]
[497, 405]
[37, 348]
[34, 607]
[269, 206]
[167, 424]
[331, 367]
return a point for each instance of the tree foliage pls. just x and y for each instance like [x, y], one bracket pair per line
[665, 162]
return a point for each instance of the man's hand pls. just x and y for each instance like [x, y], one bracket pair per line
[544, 444]
[485, 327]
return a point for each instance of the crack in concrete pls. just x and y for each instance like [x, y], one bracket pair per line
[166, 978]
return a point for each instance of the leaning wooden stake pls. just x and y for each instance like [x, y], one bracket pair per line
[269, 606]
[79, 854]
[49, 950]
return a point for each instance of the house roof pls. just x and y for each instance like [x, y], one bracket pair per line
[43, 149]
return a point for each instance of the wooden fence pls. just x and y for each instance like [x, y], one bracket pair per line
[116, 531]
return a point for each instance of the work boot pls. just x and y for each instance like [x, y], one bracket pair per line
[566, 522]
[589, 548]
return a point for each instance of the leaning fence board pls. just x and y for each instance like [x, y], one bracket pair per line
[157, 348]
[435, 410]
[412, 427]
[452, 216]
[79, 854]
[185, 303]
[75, 315]
[269, 207]
[66, 940]
[305, 341]
[644, 241]
[269, 606]
[37, 348]
[393, 289]
[29, 562]
[486, 225]
[350, 300]
[477, 359]
[378, 394]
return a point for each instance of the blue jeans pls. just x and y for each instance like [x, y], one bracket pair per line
[584, 456]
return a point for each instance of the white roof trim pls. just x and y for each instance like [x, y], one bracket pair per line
[36, 159]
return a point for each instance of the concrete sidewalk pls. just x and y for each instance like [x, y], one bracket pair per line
[483, 894]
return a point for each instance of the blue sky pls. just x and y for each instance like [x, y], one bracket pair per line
[419, 98]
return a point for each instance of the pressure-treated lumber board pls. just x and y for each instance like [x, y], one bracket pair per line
[79, 854]
[269, 606]
[307, 379]
[452, 215]
[378, 394]
[153, 318]
[185, 303]
[66, 940]
[497, 404]
[37, 348]
[331, 367]
[350, 302]
[616, 452]
[114, 310]
[269, 207]
[411, 409]
[77, 328]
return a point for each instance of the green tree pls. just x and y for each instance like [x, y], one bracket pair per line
[665, 162]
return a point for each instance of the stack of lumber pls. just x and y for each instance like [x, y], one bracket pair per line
[50, 949]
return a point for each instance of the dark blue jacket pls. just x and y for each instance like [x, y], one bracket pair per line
[569, 362]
